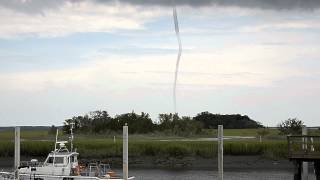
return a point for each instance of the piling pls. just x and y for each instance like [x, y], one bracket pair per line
[125, 152]
[220, 152]
[305, 147]
[17, 151]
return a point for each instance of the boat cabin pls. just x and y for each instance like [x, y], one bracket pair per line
[58, 162]
[62, 157]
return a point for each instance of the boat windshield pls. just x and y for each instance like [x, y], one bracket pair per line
[58, 160]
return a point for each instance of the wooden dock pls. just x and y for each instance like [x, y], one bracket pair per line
[304, 149]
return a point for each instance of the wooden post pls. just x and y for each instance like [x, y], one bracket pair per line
[305, 148]
[297, 170]
[317, 169]
[220, 152]
[17, 151]
[125, 152]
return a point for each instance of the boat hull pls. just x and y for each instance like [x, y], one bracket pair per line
[10, 176]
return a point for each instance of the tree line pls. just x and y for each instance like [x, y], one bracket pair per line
[98, 122]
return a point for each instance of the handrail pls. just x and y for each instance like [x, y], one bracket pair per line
[303, 146]
[297, 136]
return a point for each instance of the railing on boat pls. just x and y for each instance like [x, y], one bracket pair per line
[96, 169]
[31, 164]
[6, 176]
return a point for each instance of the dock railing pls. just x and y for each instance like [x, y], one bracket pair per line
[306, 148]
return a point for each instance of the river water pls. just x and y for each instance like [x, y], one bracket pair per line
[161, 174]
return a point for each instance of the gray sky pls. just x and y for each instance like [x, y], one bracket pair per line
[64, 58]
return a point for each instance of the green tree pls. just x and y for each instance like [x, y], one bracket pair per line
[99, 121]
[137, 123]
[174, 125]
[52, 130]
[232, 121]
[291, 126]
[263, 132]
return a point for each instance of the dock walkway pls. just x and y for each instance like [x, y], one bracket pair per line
[304, 149]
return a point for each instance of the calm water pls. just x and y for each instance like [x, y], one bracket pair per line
[160, 174]
[156, 174]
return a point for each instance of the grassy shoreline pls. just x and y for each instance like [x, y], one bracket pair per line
[105, 148]
[96, 146]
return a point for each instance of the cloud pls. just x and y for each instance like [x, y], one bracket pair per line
[46, 18]
[207, 80]
[243, 65]
[39, 6]
[67, 18]
[32, 6]
[283, 25]
[137, 50]
[261, 4]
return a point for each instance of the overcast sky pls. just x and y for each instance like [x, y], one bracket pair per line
[63, 58]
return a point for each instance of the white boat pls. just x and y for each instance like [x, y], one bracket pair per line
[62, 164]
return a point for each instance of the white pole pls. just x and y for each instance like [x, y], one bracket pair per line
[17, 151]
[125, 152]
[220, 152]
[71, 135]
[305, 147]
[55, 149]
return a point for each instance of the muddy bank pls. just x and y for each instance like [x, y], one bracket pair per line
[231, 163]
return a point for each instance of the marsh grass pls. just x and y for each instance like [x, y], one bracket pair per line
[25, 134]
[40, 143]
[92, 148]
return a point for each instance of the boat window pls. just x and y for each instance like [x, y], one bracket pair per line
[73, 159]
[58, 160]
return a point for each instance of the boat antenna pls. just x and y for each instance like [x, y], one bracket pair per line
[71, 135]
[55, 148]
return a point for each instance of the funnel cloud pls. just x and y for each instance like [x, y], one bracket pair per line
[176, 27]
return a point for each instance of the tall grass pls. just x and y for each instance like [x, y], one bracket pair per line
[107, 148]
[6, 149]
[25, 134]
